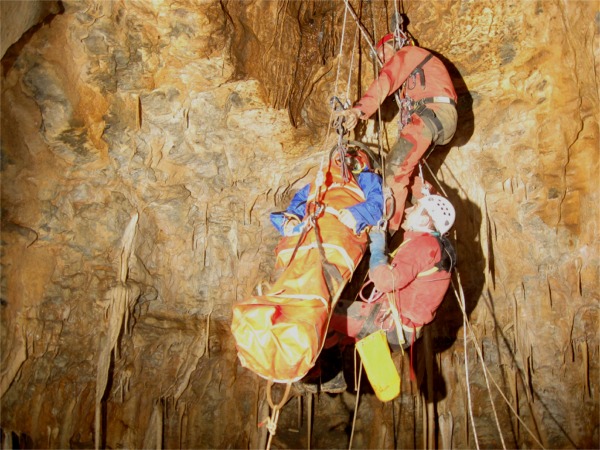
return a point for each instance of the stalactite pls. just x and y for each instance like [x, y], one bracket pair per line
[578, 266]
[11, 367]
[181, 409]
[585, 368]
[159, 405]
[446, 422]
[122, 298]
[139, 114]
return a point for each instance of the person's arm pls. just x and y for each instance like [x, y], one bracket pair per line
[370, 211]
[297, 205]
[412, 258]
[294, 213]
[392, 75]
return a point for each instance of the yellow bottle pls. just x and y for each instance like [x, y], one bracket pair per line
[375, 354]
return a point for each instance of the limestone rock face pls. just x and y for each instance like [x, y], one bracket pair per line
[144, 145]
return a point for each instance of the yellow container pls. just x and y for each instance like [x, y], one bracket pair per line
[375, 354]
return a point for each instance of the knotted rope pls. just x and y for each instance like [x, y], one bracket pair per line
[271, 422]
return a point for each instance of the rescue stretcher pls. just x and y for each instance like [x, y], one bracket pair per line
[280, 333]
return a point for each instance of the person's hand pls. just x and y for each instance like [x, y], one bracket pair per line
[382, 278]
[292, 226]
[347, 219]
[350, 118]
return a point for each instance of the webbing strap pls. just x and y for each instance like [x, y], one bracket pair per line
[300, 240]
[438, 99]
[419, 71]
[330, 271]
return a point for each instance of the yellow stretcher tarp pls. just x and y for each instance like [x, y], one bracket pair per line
[280, 334]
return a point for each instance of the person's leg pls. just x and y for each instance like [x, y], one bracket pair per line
[401, 162]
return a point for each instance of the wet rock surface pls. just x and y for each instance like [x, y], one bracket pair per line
[177, 126]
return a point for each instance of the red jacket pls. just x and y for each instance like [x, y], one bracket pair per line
[398, 69]
[419, 287]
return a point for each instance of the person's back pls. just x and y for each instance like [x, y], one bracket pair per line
[433, 80]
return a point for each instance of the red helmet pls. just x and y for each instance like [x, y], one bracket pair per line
[383, 40]
[399, 39]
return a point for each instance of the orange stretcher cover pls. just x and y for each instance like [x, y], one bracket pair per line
[279, 335]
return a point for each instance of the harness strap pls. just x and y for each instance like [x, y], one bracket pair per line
[300, 240]
[330, 271]
[434, 269]
[418, 71]
[438, 99]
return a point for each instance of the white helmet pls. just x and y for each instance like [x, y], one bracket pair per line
[440, 210]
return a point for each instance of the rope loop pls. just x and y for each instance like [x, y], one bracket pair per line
[271, 422]
[373, 296]
[388, 203]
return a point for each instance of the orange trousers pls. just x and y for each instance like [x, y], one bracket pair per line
[401, 166]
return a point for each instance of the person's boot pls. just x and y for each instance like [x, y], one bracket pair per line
[336, 385]
[332, 371]
[309, 384]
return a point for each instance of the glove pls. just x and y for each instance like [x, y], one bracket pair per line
[347, 219]
[350, 117]
[377, 248]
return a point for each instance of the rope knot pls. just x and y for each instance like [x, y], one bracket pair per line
[271, 426]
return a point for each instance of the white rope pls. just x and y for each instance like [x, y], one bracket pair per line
[362, 29]
[357, 401]
[356, 39]
[380, 127]
[467, 380]
[340, 52]
[485, 371]
[460, 299]
[271, 421]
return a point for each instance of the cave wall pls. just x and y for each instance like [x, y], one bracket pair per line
[186, 123]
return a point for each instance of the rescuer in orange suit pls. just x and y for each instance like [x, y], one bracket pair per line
[416, 280]
[417, 277]
[427, 101]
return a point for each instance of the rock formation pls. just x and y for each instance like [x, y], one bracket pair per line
[144, 144]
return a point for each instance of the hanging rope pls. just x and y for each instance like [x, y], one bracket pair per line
[335, 96]
[362, 29]
[356, 40]
[271, 422]
[466, 324]
[468, 383]
[461, 302]
[387, 193]
[357, 399]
